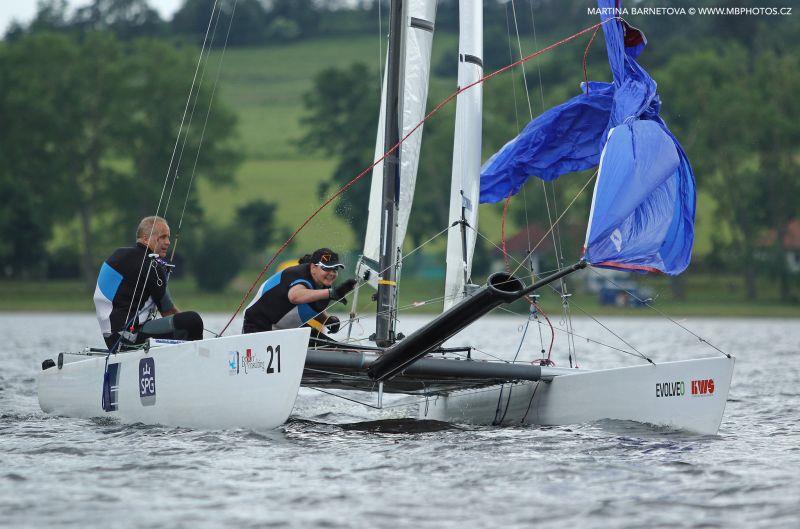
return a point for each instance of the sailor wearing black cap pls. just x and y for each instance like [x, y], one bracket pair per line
[296, 295]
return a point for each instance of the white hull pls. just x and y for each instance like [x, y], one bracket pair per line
[203, 384]
[673, 394]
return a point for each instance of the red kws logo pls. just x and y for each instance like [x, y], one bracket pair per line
[703, 387]
[249, 357]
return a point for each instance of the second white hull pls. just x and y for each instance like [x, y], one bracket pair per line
[687, 395]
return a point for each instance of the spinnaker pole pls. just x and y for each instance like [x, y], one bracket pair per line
[500, 288]
[387, 265]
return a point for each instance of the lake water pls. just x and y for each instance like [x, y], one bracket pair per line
[320, 471]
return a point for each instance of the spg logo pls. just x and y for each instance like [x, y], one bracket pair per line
[147, 381]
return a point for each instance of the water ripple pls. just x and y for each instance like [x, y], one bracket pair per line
[336, 464]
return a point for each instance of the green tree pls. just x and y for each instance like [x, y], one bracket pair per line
[219, 258]
[735, 117]
[89, 132]
[341, 122]
[127, 19]
[51, 15]
[257, 219]
[304, 15]
[160, 81]
[777, 136]
[246, 18]
[57, 129]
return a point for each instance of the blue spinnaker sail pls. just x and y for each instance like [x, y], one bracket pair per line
[643, 208]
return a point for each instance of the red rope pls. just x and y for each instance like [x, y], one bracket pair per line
[360, 175]
[586, 59]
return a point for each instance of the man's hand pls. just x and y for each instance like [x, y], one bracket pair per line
[333, 324]
[338, 293]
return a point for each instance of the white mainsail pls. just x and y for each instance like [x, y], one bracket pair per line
[419, 17]
[465, 183]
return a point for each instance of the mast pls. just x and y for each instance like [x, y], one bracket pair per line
[387, 280]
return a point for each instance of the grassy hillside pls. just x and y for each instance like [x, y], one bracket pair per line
[292, 185]
[265, 87]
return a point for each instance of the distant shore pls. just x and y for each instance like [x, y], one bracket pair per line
[417, 295]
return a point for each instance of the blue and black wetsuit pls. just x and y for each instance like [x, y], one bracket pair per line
[271, 308]
[114, 297]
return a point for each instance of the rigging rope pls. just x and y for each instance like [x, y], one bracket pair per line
[106, 391]
[554, 230]
[513, 77]
[136, 303]
[558, 247]
[175, 176]
[205, 123]
[353, 316]
[649, 305]
[522, 263]
[582, 337]
[430, 114]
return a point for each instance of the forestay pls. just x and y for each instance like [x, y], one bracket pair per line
[465, 181]
[417, 38]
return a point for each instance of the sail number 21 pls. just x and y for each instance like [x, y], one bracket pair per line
[273, 353]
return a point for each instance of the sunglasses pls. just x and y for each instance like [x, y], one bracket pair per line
[330, 268]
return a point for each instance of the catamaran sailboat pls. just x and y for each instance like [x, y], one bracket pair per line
[641, 219]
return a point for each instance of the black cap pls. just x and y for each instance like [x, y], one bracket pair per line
[326, 258]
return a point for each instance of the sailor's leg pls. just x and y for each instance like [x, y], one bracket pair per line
[182, 326]
[247, 328]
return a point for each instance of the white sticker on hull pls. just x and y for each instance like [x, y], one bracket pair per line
[698, 388]
[269, 363]
[233, 362]
[670, 389]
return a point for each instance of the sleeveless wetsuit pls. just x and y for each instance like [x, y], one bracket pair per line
[271, 308]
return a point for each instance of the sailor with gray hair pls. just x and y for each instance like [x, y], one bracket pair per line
[132, 287]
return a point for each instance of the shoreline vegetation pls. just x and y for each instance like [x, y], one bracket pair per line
[286, 95]
[705, 295]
